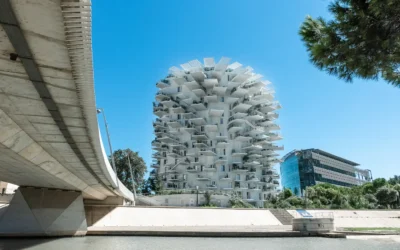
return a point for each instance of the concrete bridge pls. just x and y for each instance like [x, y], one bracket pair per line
[50, 143]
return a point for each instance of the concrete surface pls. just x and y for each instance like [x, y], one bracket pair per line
[359, 218]
[313, 224]
[111, 216]
[43, 212]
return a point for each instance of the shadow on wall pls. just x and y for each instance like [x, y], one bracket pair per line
[94, 213]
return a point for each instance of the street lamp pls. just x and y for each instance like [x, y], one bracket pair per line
[197, 200]
[100, 110]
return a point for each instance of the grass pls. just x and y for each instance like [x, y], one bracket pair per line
[363, 229]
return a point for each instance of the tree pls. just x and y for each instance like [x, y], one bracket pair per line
[207, 197]
[362, 41]
[123, 171]
[378, 183]
[155, 182]
[394, 180]
[386, 196]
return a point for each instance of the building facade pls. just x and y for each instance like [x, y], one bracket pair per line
[216, 130]
[302, 168]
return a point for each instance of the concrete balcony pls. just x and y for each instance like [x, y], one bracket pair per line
[240, 169]
[193, 169]
[210, 83]
[202, 178]
[221, 160]
[207, 152]
[211, 128]
[216, 112]
[240, 107]
[199, 92]
[211, 98]
[219, 90]
[209, 168]
[163, 84]
[199, 121]
[222, 144]
[238, 153]
[225, 178]
[239, 92]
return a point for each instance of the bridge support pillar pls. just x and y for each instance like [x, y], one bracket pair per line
[44, 212]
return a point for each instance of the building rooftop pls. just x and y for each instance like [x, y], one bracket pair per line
[321, 152]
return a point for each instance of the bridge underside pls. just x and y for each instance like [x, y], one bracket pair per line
[49, 134]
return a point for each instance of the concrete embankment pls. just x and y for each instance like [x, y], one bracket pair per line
[217, 222]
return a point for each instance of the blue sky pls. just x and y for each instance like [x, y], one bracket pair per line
[136, 42]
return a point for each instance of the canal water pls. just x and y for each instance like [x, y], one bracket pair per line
[169, 243]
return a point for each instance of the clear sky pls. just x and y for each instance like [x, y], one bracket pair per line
[136, 42]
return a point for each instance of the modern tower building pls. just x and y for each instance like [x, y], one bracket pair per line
[303, 168]
[215, 130]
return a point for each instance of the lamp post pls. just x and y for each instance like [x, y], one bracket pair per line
[100, 110]
[197, 200]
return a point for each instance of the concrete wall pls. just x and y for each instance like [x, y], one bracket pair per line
[185, 200]
[100, 216]
[358, 218]
[43, 212]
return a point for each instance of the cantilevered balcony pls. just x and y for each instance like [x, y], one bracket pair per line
[202, 178]
[225, 177]
[178, 109]
[209, 168]
[221, 160]
[192, 169]
[201, 144]
[215, 112]
[239, 92]
[234, 127]
[199, 121]
[211, 98]
[239, 169]
[252, 179]
[199, 92]
[161, 97]
[219, 90]
[238, 153]
[211, 127]
[240, 107]
[199, 106]
[192, 85]
[222, 144]
[209, 83]
[160, 111]
[207, 152]
[199, 136]
[163, 84]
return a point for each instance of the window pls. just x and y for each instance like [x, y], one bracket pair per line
[184, 153]
[238, 177]
[179, 116]
[196, 159]
[202, 128]
[179, 89]
[211, 143]
[213, 183]
[224, 151]
[165, 161]
[222, 120]
[223, 168]
[222, 99]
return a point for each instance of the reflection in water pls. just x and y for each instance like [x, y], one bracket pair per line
[173, 243]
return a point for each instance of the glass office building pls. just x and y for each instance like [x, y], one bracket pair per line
[303, 168]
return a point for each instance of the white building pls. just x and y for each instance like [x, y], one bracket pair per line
[216, 130]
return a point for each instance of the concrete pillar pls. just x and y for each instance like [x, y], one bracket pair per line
[44, 212]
